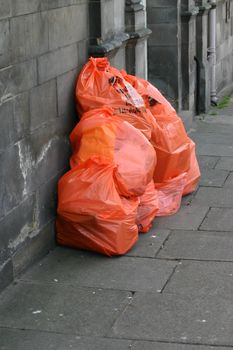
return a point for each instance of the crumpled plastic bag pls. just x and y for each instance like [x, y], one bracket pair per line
[170, 194]
[174, 149]
[100, 85]
[103, 134]
[91, 213]
[148, 208]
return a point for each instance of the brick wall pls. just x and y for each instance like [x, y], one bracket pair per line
[43, 44]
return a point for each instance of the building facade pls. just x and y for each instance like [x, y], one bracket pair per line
[43, 45]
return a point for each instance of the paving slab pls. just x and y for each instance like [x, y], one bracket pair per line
[209, 127]
[229, 182]
[92, 270]
[213, 177]
[14, 339]
[177, 318]
[207, 162]
[198, 245]
[187, 218]
[223, 119]
[146, 345]
[218, 219]
[215, 138]
[149, 244]
[214, 197]
[225, 163]
[187, 200]
[62, 309]
[210, 149]
[202, 278]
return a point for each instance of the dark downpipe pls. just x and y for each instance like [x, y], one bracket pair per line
[198, 71]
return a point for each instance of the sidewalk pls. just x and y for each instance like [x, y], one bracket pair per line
[172, 291]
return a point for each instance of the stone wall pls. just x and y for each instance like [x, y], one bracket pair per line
[179, 62]
[43, 45]
[224, 66]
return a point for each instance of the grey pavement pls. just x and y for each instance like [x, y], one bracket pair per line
[172, 291]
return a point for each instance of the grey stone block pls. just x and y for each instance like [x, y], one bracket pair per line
[66, 93]
[148, 345]
[219, 219]
[4, 43]
[13, 182]
[211, 128]
[162, 15]
[207, 162]
[18, 224]
[225, 163]
[213, 177]
[174, 318]
[7, 125]
[149, 244]
[198, 245]
[46, 197]
[17, 78]
[29, 36]
[63, 25]
[39, 242]
[21, 116]
[50, 155]
[29, 339]
[61, 309]
[56, 63]
[82, 52]
[202, 278]
[229, 181]
[209, 149]
[163, 34]
[212, 138]
[161, 3]
[213, 197]
[188, 218]
[107, 26]
[90, 270]
[43, 104]
[52, 4]
[5, 9]
[163, 65]
[6, 277]
[21, 7]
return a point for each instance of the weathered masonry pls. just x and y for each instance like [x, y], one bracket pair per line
[191, 50]
[43, 45]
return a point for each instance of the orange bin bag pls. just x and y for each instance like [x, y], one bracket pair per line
[152, 97]
[148, 208]
[193, 174]
[100, 85]
[91, 213]
[103, 134]
[169, 138]
[170, 195]
[172, 148]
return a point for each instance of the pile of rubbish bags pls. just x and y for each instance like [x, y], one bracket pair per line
[131, 162]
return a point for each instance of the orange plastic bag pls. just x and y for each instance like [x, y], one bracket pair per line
[91, 213]
[173, 147]
[194, 173]
[100, 85]
[153, 99]
[101, 133]
[170, 195]
[148, 208]
[169, 137]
